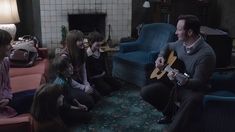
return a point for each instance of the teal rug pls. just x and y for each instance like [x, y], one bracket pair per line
[122, 111]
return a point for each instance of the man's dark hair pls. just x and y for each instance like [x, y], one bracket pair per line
[5, 38]
[191, 22]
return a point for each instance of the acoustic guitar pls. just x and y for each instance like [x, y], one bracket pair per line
[171, 61]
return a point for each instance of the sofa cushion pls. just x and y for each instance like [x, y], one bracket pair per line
[40, 67]
[26, 82]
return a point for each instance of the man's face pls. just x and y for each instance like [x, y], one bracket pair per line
[180, 31]
[4, 51]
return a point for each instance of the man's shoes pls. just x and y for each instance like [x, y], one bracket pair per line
[164, 120]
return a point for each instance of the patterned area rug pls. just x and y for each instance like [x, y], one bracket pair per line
[123, 111]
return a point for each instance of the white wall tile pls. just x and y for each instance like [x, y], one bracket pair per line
[54, 14]
[46, 2]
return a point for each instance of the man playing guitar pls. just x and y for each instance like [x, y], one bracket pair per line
[187, 86]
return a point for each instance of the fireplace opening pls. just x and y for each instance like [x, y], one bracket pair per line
[87, 22]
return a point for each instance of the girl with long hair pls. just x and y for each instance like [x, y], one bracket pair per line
[75, 53]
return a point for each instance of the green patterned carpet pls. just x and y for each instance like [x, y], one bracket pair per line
[122, 111]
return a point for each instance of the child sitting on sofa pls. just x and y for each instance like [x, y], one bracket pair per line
[10, 104]
[96, 69]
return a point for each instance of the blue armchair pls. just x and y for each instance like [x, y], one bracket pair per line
[219, 105]
[135, 60]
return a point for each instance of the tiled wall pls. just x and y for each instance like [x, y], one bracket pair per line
[54, 14]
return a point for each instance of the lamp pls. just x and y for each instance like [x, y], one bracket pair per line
[146, 4]
[9, 16]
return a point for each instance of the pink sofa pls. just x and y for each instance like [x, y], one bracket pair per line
[24, 79]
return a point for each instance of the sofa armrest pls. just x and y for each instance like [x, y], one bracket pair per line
[129, 46]
[21, 123]
[43, 52]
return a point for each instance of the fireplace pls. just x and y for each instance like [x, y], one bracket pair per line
[86, 15]
[87, 22]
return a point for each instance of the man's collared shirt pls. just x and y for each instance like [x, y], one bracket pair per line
[189, 48]
[95, 54]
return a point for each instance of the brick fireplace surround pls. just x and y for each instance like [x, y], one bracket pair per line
[54, 14]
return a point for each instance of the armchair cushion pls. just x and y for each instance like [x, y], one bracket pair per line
[138, 59]
[129, 46]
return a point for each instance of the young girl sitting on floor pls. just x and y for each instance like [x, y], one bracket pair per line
[75, 53]
[45, 109]
[53, 109]
[72, 89]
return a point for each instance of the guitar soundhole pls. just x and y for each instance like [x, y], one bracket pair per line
[159, 72]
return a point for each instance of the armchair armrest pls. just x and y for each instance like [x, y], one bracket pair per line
[129, 46]
[225, 69]
[223, 79]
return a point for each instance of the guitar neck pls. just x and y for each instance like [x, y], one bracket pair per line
[168, 68]
[179, 77]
